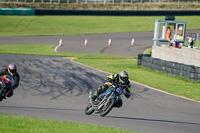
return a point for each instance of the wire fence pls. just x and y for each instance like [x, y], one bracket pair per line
[103, 1]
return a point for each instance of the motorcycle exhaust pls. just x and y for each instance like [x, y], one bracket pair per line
[101, 105]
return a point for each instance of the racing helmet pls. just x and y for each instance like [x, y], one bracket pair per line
[123, 77]
[12, 69]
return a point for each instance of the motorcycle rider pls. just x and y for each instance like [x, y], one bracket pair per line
[122, 80]
[12, 71]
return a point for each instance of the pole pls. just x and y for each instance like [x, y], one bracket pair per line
[198, 40]
[104, 2]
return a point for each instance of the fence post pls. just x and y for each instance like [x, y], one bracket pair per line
[104, 2]
[197, 40]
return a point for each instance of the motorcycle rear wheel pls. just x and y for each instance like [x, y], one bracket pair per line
[1, 96]
[89, 109]
[106, 109]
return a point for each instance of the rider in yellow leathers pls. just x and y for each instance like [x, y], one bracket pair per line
[122, 80]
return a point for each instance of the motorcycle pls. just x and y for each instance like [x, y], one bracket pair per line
[6, 84]
[104, 103]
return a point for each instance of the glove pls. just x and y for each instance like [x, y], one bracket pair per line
[106, 78]
[115, 85]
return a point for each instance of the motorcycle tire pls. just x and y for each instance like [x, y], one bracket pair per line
[89, 109]
[1, 96]
[105, 110]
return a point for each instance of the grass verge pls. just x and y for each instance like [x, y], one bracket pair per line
[49, 50]
[70, 25]
[19, 124]
[115, 64]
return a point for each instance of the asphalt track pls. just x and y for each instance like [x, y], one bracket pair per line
[57, 88]
[98, 43]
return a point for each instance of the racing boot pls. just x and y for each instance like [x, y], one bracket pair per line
[96, 93]
[94, 96]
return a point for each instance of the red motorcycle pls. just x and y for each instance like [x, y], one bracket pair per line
[6, 84]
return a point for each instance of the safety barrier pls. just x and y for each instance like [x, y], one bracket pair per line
[17, 11]
[190, 72]
[116, 12]
[28, 11]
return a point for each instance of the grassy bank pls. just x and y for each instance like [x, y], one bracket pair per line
[70, 25]
[19, 124]
[115, 64]
[136, 5]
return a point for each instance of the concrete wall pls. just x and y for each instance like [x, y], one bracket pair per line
[184, 55]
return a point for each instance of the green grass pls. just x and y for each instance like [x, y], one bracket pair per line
[49, 50]
[115, 64]
[19, 124]
[70, 25]
[148, 51]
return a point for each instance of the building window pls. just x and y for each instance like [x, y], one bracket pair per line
[179, 33]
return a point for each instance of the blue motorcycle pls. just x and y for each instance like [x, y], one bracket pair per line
[104, 103]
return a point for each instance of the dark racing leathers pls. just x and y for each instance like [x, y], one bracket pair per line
[16, 78]
[114, 80]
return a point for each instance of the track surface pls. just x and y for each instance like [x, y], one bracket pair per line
[57, 88]
[98, 43]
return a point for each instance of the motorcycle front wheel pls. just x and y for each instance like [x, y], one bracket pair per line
[107, 108]
[89, 109]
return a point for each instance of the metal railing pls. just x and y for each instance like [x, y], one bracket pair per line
[103, 1]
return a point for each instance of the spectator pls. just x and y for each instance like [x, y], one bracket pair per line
[190, 41]
[174, 43]
[168, 33]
